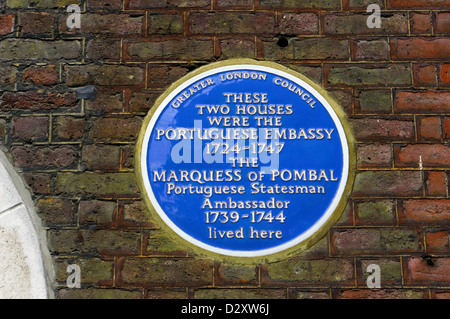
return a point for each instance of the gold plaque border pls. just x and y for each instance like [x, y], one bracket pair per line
[289, 252]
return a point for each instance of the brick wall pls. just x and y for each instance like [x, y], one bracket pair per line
[76, 154]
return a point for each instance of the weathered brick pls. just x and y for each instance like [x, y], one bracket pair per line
[436, 183]
[30, 49]
[38, 182]
[298, 23]
[375, 101]
[112, 184]
[361, 4]
[233, 3]
[310, 4]
[36, 22]
[136, 213]
[116, 242]
[163, 75]
[374, 155]
[115, 128]
[165, 24]
[8, 75]
[105, 24]
[375, 241]
[98, 293]
[231, 273]
[106, 100]
[101, 157]
[437, 241]
[416, 4]
[415, 48]
[442, 23]
[376, 75]
[47, 4]
[3, 128]
[425, 212]
[422, 101]
[420, 23]
[370, 50]
[33, 128]
[429, 129]
[56, 211]
[321, 49]
[183, 49]
[299, 293]
[103, 49]
[34, 100]
[375, 213]
[68, 128]
[424, 75]
[96, 212]
[419, 272]
[153, 4]
[41, 75]
[142, 102]
[44, 157]
[371, 129]
[6, 23]
[92, 270]
[430, 155]
[391, 270]
[151, 271]
[444, 75]
[80, 75]
[388, 183]
[158, 243]
[274, 52]
[240, 294]
[312, 272]
[237, 48]
[109, 5]
[356, 23]
[381, 294]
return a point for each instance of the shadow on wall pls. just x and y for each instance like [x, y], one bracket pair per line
[26, 270]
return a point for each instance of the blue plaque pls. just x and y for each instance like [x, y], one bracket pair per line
[246, 159]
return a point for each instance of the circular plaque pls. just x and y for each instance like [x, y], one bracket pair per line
[245, 159]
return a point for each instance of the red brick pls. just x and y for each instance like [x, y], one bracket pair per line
[420, 22]
[432, 155]
[230, 22]
[103, 49]
[44, 157]
[112, 129]
[420, 48]
[106, 100]
[436, 183]
[382, 129]
[38, 182]
[420, 272]
[33, 100]
[388, 183]
[68, 128]
[437, 241]
[425, 212]
[373, 49]
[444, 75]
[101, 157]
[429, 129]
[30, 128]
[424, 75]
[237, 48]
[447, 128]
[422, 102]
[374, 155]
[443, 23]
[163, 75]
[384, 293]
[6, 24]
[374, 240]
[36, 22]
[417, 4]
[89, 74]
[141, 102]
[298, 23]
[110, 24]
[41, 75]
[153, 4]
